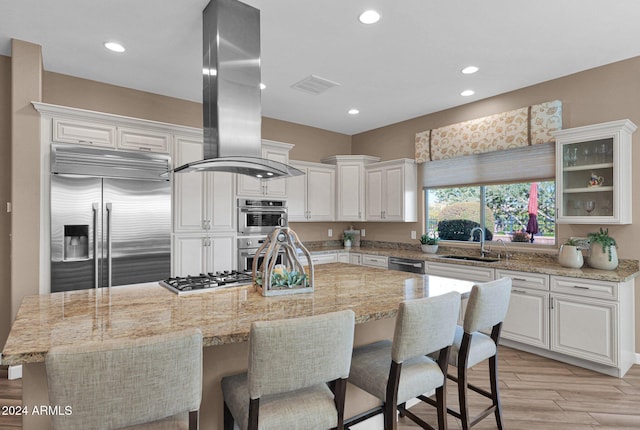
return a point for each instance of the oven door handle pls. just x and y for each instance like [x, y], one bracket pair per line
[259, 210]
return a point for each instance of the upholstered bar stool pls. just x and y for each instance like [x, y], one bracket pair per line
[297, 375]
[398, 371]
[117, 384]
[486, 309]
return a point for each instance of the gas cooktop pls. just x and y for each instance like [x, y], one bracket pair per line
[207, 282]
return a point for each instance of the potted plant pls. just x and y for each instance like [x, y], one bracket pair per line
[570, 255]
[348, 240]
[602, 250]
[519, 236]
[429, 244]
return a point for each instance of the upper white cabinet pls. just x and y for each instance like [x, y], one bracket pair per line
[143, 140]
[391, 191]
[84, 132]
[83, 127]
[254, 187]
[312, 195]
[350, 185]
[203, 201]
[195, 254]
[593, 174]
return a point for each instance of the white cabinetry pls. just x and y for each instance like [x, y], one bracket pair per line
[202, 201]
[254, 187]
[593, 174]
[459, 271]
[343, 257]
[84, 132]
[131, 136]
[592, 320]
[589, 323]
[375, 261]
[143, 140]
[355, 258]
[527, 319]
[324, 257]
[312, 195]
[391, 191]
[195, 254]
[350, 185]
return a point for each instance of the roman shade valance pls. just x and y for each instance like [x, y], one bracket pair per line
[525, 164]
[532, 125]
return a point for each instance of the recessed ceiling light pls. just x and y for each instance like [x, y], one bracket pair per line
[369, 17]
[210, 72]
[353, 112]
[262, 86]
[470, 70]
[467, 93]
[114, 46]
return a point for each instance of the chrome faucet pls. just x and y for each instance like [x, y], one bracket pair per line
[482, 250]
[506, 250]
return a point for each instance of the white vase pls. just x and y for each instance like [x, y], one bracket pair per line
[600, 260]
[429, 249]
[347, 243]
[570, 256]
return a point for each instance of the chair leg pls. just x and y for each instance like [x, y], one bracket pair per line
[339, 388]
[391, 400]
[228, 418]
[462, 398]
[441, 406]
[193, 420]
[495, 391]
[254, 408]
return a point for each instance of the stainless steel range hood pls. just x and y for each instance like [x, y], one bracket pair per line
[231, 94]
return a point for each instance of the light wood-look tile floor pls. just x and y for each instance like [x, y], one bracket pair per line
[537, 394]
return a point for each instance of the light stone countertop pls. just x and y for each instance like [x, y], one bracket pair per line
[524, 262]
[224, 316]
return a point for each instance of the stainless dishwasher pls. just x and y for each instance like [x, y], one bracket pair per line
[406, 265]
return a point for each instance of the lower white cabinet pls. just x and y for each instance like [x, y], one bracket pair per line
[375, 261]
[324, 258]
[459, 271]
[343, 256]
[527, 319]
[586, 322]
[195, 254]
[355, 258]
[585, 328]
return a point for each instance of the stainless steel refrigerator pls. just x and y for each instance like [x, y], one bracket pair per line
[110, 217]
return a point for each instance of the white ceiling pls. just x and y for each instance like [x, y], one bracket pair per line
[405, 66]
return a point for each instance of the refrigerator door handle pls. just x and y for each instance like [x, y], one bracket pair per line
[109, 210]
[94, 207]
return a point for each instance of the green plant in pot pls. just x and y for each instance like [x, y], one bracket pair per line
[603, 253]
[429, 243]
[348, 239]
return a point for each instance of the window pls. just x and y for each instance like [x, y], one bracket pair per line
[501, 210]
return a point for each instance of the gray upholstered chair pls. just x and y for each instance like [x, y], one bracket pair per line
[486, 309]
[398, 371]
[116, 383]
[297, 375]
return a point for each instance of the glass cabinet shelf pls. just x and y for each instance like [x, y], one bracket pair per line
[593, 174]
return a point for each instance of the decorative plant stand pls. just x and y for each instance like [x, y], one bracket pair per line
[290, 277]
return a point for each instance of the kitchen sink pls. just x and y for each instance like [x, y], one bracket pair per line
[470, 258]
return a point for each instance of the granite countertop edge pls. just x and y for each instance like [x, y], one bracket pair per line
[535, 263]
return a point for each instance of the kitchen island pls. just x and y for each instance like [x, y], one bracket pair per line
[224, 317]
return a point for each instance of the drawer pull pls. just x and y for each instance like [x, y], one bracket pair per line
[518, 291]
[519, 279]
[581, 287]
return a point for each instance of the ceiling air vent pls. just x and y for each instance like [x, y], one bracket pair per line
[314, 85]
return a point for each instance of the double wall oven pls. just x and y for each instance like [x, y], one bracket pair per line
[256, 219]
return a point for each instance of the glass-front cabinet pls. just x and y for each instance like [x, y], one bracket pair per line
[593, 173]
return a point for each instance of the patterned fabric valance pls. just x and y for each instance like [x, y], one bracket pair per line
[521, 127]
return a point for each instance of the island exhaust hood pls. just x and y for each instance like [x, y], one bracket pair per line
[231, 94]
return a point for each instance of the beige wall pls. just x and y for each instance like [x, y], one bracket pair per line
[603, 94]
[5, 196]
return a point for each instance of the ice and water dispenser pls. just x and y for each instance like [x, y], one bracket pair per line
[76, 242]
